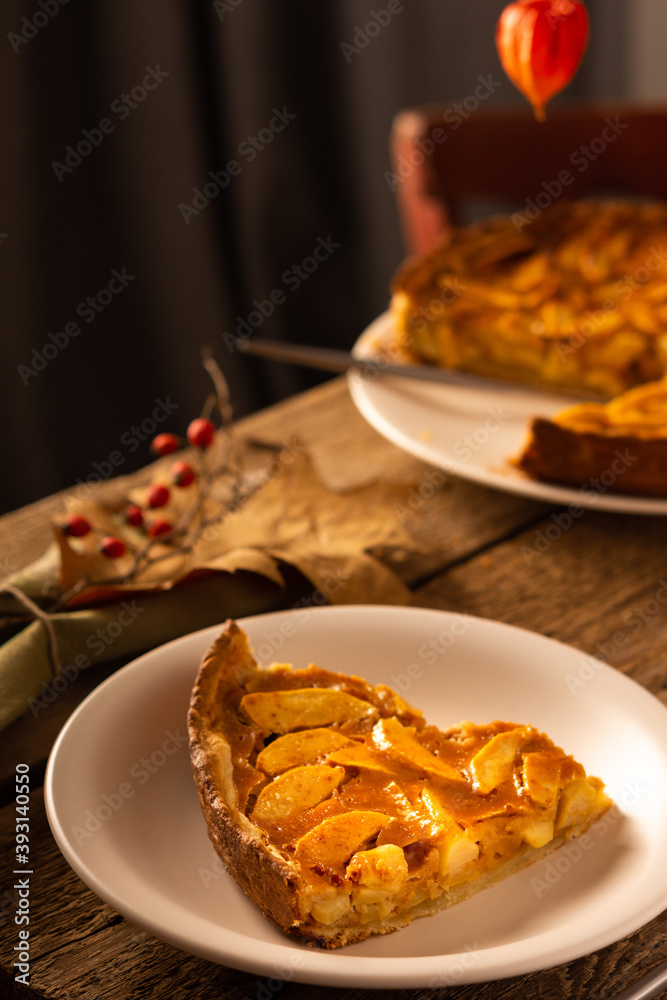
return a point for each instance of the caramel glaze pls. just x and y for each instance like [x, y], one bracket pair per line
[395, 789]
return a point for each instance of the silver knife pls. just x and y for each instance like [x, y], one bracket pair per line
[328, 359]
[650, 985]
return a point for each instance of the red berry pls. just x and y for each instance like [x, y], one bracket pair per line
[200, 433]
[134, 515]
[182, 473]
[164, 444]
[112, 547]
[76, 526]
[159, 527]
[157, 495]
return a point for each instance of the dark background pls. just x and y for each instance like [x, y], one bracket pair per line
[226, 66]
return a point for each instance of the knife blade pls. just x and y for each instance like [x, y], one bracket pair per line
[649, 986]
[330, 359]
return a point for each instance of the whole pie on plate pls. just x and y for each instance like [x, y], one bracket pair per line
[574, 299]
[620, 446]
[342, 813]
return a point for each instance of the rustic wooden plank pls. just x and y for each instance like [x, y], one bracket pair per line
[449, 513]
[600, 585]
[81, 947]
[29, 739]
[449, 518]
[596, 584]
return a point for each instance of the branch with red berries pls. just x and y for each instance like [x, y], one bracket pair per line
[158, 514]
[203, 541]
[156, 538]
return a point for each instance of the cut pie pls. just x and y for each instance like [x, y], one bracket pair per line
[620, 446]
[342, 813]
[575, 299]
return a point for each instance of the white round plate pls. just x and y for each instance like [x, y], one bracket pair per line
[123, 808]
[471, 432]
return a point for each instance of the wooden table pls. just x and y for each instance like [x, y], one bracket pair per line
[580, 589]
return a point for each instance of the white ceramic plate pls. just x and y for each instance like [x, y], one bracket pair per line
[472, 432]
[123, 808]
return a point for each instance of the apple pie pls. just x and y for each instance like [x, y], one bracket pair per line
[342, 813]
[620, 446]
[575, 299]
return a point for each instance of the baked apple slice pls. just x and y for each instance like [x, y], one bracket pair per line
[342, 814]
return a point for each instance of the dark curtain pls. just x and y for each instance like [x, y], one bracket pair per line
[177, 171]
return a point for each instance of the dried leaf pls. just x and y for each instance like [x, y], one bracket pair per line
[330, 537]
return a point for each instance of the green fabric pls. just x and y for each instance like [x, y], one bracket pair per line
[121, 630]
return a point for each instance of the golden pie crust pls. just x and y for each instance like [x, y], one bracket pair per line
[620, 446]
[342, 813]
[576, 299]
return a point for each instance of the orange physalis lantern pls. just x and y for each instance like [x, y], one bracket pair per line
[540, 44]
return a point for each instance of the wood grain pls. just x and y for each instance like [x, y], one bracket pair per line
[448, 517]
[84, 949]
[596, 583]
[600, 585]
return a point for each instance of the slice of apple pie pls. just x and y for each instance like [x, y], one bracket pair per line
[620, 446]
[342, 813]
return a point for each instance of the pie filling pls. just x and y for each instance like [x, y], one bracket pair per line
[577, 299]
[380, 811]
[640, 412]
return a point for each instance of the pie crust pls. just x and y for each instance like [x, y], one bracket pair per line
[342, 813]
[619, 447]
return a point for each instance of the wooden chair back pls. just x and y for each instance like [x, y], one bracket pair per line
[446, 160]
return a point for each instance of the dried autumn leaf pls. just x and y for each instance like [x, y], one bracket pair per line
[292, 519]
